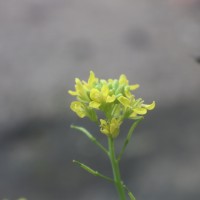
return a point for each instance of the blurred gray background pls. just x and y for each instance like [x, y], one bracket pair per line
[45, 44]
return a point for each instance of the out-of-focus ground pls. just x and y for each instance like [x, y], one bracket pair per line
[45, 44]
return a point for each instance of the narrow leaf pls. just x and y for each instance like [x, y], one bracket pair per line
[85, 167]
[91, 137]
[128, 137]
[93, 172]
[131, 196]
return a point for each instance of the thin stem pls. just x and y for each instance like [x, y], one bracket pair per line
[131, 196]
[128, 137]
[93, 172]
[115, 168]
[91, 137]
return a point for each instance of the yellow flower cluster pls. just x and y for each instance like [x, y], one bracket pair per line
[112, 97]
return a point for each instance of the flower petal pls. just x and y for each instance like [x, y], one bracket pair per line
[149, 106]
[94, 104]
[134, 87]
[78, 108]
[123, 79]
[127, 92]
[133, 115]
[140, 111]
[73, 93]
[124, 101]
[104, 128]
[105, 90]
[114, 127]
[95, 95]
[110, 99]
[92, 79]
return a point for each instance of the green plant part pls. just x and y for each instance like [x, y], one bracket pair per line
[113, 98]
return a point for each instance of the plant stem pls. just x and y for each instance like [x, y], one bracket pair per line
[91, 137]
[128, 137]
[115, 168]
[93, 172]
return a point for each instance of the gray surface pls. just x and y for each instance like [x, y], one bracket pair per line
[44, 45]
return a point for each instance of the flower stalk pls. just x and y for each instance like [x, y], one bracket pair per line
[113, 98]
[115, 168]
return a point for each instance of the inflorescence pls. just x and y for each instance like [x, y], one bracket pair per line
[112, 97]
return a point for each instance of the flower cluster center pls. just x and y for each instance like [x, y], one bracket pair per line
[112, 97]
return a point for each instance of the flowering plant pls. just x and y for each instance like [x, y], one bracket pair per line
[114, 99]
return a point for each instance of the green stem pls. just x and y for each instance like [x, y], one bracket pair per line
[128, 137]
[91, 137]
[115, 168]
[91, 171]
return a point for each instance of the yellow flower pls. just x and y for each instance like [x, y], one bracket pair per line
[112, 97]
[110, 128]
[135, 107]
[82, 110]
[79, 108]
[92, 80]
[82, 88]
[114, 127]
[142, 109]
[81, 91]
[149, 106]
[125, 101]
[124, 81]
[100, 97]
[104, 127]
[127, 88]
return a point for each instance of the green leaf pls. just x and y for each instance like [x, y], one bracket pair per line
[91, 171]
[128, 137]
[85, 167]
[131, 196]
[91, 137]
